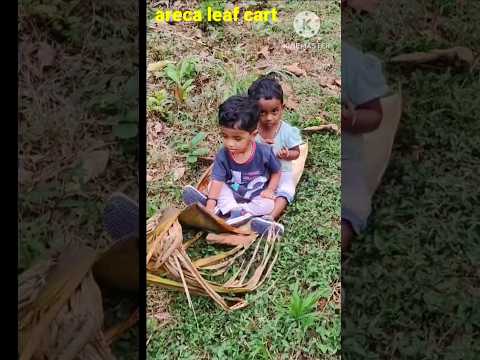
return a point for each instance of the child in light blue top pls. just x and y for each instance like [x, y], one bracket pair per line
[284, 138]
[363, 85]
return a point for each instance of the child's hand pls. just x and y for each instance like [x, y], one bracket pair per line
[268, 194]
[283, 154]
[348, 116]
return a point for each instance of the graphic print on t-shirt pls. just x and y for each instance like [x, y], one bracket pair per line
[246, 180]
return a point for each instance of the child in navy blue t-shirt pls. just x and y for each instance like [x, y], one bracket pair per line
[245, 173]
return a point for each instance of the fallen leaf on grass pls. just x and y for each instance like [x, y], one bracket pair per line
[296, 70]
[290, 100]
[94, 163]
[178, 173]
[322, 128]
[459, 53]
[262, 65]
[287, 49]
[330, 83]
[158, 128]
[207, 159]
[157, 66]
[264, 51]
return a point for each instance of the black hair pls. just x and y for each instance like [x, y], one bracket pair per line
[239, 112]
[266, 87]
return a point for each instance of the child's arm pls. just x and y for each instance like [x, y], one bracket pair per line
[365, 118]
[289, 154]
[213, 194]
[269, 192]
[290, 144]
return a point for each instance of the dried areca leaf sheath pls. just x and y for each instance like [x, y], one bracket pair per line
[182, 274]
[60, 309]
[198, 217]
[157, 227]
[214, 259]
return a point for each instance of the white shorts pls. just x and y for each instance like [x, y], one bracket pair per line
[286, 186]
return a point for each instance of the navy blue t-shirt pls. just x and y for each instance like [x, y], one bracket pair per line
[249, 179]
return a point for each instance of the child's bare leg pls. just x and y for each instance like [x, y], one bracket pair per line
[226, 201]
[280, 205]
[259, 206]
[347, 235]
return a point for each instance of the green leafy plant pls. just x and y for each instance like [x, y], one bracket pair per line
[302, 309]
[192, 150]
[127, 125]
[234, 84]
[151, 209]
[215, 5]
[158, 102]
[182, 75]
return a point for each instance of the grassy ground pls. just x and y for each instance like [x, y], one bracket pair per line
[412, 283]
[229, 58]
[77, 83]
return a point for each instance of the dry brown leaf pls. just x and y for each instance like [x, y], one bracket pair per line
[262, 65]
[178, 172]
[119, 329]
[158, 128]
[329, 82]
[307, 66]
[157, 66]
[94, 163]
[290, 100]
[230, 239]
[206, 159]
[296, 70]
[463, 54]
[321, 128]
[287, 49]
[45, 55]
[264, 51]
[291, 104]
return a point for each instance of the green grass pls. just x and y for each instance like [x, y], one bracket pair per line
[310, 252]
[412, 282]
[66, 110]
[309, 257]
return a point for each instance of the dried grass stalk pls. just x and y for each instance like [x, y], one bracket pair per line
[167, 256]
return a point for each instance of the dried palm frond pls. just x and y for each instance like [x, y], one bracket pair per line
[169, 265]
[60, 309]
